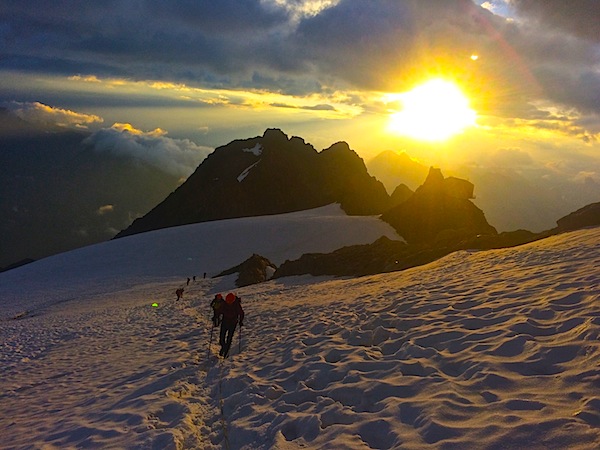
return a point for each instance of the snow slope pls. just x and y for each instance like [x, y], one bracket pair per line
[184, 251]
[497, 349]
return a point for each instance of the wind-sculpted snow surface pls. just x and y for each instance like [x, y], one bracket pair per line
[496, 349]
[479, 350]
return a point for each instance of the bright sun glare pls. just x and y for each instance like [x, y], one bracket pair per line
[433, 111]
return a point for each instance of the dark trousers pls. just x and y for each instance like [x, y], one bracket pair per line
[226, 337]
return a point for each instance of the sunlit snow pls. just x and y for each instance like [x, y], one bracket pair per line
[496, 349]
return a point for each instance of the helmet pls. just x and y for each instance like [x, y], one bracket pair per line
[230, 298]
[219, 296]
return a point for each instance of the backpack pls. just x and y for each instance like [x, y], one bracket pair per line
[216, 304]
[232, 311]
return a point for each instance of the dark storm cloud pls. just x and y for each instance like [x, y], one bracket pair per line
[573, 89]
[223, 17]
[550, 44]
[138, 39]
[374, 44]
[379, 45]
[59, 66]
[578, 17]
[238, 38]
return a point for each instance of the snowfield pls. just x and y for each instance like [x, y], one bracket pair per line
[488, 350]
[185, 251]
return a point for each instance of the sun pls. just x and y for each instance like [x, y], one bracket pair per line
[433, 111]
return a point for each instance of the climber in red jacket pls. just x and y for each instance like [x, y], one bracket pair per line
[231, 313]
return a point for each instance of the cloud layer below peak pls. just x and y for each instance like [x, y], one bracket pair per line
[179, 157]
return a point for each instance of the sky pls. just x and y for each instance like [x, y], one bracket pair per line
[518, 81]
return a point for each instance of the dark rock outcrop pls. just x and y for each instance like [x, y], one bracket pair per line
[270, 174]
[385, 255]
[439, 210]
[588, 216]
[255, 269]
[20, 263]
[355, 260]
[345, 180]
[401, 194]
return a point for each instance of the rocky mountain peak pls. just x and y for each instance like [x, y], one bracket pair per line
[275, 135]
[439, 209]
[435, 184]
[268, 174]
[434, 179]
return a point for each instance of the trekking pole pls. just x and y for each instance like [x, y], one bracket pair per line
[240, 341]
[212, 327]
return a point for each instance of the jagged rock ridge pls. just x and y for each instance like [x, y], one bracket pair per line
[588, 216]
[269, 174]
[439, 209]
